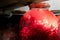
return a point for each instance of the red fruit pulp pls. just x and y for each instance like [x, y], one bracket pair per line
[39, 24]
[58, 25]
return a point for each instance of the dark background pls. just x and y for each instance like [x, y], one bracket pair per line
[9, 24]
